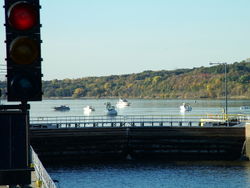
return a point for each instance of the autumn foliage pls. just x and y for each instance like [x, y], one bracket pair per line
[202, 82]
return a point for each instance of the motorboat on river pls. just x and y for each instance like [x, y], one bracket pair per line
[88, 109]
[122, 103]
[111, 111]
[245, 107]
[61, 108]
[185, 107]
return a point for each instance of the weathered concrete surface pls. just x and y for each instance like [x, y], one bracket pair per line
[218, 143]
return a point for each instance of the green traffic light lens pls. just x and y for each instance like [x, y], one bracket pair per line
[24, 50]
[24, 86]
[23, 16]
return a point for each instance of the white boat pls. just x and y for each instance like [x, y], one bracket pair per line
[111, 111]
[245, 107]
[185, 107]
[88, 109]
[122, 103]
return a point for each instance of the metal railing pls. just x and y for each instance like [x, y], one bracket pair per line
[125, 120]
[128, 120]
[41, 173]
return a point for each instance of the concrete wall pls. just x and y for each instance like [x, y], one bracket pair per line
[207, 143]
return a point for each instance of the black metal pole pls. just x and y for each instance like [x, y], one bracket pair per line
[226, 111]
[226, 99]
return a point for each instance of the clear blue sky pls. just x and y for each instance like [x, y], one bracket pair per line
[96, 38]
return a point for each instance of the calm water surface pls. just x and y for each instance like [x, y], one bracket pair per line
[138, 107]
[144, 174]
[150, 175]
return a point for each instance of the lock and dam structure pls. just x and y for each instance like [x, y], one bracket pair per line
[84, 138]
[70, 139]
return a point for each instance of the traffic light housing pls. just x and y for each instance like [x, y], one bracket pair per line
[23, 48]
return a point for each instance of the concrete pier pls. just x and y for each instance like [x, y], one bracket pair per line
[215, 143]
[167, 137]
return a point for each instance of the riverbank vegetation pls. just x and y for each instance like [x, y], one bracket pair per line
[201, 82]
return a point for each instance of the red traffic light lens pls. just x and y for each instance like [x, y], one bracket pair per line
[23, 16]
[24, 50]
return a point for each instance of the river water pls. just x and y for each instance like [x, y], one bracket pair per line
[138, 107]
[138, 174]
[205, 174]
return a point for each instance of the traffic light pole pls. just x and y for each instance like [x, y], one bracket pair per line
[24, 83]
[14, 143]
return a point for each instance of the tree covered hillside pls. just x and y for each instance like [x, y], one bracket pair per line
[202, 82]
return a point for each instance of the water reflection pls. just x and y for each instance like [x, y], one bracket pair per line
[138, 107]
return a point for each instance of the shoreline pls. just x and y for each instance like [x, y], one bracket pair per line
[142, 98]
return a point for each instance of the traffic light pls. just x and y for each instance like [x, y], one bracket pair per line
[23, 48]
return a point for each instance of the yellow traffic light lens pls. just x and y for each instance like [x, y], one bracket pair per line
[23, 16]
[24, 50]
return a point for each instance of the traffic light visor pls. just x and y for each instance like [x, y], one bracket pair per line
[22, 16]
[24, 50]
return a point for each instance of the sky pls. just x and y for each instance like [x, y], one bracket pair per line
[84, 38]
